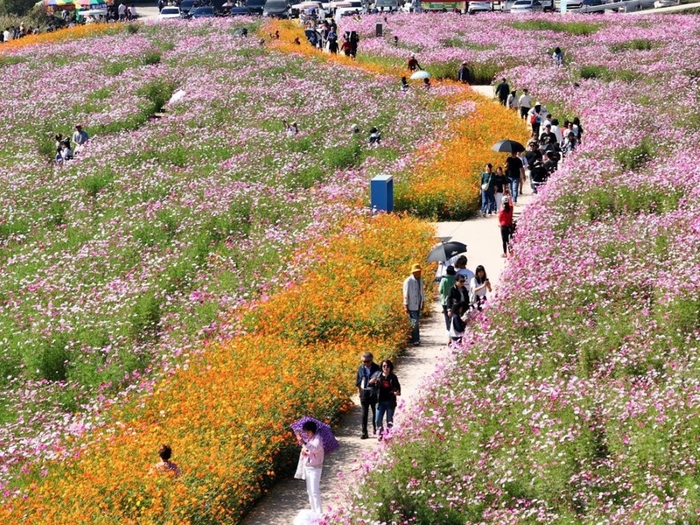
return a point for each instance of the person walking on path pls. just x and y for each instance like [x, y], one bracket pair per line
[413, 64]
[488, 199]
[389, 389]
[515, 172]
[505, 222]
[524, 103]
[312, 456]
[413, 300]
[500, 183]
[478, 287]
[457, 306]
[464, 75]
[502, 91]
[366, 388]
[446, 284]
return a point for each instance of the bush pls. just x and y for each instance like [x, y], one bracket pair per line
[635, 157]
[573, 28]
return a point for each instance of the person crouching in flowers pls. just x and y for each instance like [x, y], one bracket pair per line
[165, 466]
[312, 461]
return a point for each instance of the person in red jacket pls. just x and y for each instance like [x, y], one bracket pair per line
[505, 221]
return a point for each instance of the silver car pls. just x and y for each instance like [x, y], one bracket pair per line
[526, 6]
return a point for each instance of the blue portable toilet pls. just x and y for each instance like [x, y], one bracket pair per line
[382, 193]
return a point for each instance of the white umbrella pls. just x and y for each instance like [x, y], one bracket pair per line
[420, 75]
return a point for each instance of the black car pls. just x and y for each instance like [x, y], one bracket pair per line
[255, 7]
[203, 12]
[186, 6]
[238, 11]
[276, 9]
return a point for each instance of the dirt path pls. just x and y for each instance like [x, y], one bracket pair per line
[483, 240]
[482, 237]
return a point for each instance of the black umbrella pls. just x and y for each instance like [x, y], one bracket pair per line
[508, 146]
[445, 251]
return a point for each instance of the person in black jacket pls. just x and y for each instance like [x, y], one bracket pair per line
[502, 91]
[457, 305]
[464, 75]
[389, 389]
[367, 389]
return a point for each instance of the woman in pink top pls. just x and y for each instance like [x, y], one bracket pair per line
[312, 459]
[505, 221]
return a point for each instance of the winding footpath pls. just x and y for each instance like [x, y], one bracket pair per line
[288, 497]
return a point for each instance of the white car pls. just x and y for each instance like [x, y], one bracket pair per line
[169, 12]
[526, 6]
[666, 3]
[479, 6]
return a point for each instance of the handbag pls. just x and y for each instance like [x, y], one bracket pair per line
[485, 185]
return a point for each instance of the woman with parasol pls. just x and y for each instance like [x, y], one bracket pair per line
[316, 440]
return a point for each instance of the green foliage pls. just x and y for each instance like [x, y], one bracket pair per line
[16, 7]
[95, 183]
[604, 73]
[344, 157]
[133, 28]
[572, 28]
[634, 158]
[638, 44]
[158, 92]
[11, 60]
[145, 318]
[150, 57]
[49, 358]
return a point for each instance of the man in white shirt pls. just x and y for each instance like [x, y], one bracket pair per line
[557, 130]
[122, 11]
[413, 300]
[461, 268]
[524, 103]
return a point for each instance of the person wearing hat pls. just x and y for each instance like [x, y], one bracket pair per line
[534, 119]
[413, 300]
[505, 222]
[464, 75]
[80, 138]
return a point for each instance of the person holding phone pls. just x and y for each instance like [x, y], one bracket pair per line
[478, 286]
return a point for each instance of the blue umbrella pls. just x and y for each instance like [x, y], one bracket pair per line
[330, 444]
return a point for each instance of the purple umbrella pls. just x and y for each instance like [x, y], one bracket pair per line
[330, 444]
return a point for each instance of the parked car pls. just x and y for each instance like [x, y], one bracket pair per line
[238, 11]
[479, 6]
[505, 6]
[205, 11]
[276, 9]
[255, 7]
[666, 3]
[526, 6]
[341, 12]
[186, 6]
[587, 4]
[169, 12]
[387, 5]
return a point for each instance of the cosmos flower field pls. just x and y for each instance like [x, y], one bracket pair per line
[575, 399]
[140, 276]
